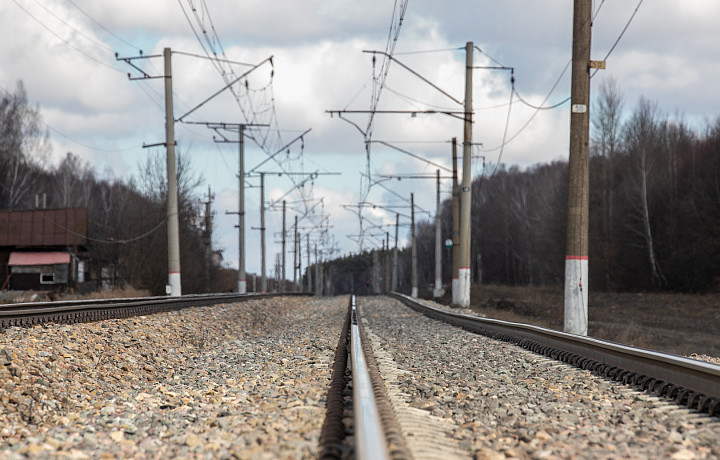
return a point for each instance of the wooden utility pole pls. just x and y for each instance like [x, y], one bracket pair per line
[174, 279]
[414, 291]
[455, 224]
[464, 272]
[576, 258]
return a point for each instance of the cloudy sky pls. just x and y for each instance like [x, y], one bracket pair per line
[64, 52]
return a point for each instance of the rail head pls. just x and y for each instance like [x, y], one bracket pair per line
[370, 442]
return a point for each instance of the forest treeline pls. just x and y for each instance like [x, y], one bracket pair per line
[654, 210]
[126, 229]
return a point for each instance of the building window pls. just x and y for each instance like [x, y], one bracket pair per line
[47, 278]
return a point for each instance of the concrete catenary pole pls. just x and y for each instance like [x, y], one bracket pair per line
[464, 272]
[173, 227]
[576, 258]
[282, 267]
[296, 249]
[242, 282]
[394, 285]
[309, 271]
[207, 238]
[387, 261]
[438, 291]
[455, 224]
[317, 273]
[376, 272]
[263, 279]
[414, 291]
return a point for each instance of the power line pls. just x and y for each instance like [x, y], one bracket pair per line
[101, 26]
[612, 48]
[73, 28]
[67, 42]
[88, 145]
[537, 110]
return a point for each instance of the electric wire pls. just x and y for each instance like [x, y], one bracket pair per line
[427, 51]
[537, 110]
[417, 102]
[507, 123]
[67, 42]
[106, 241]
[98, 149]
[102, 26]
[101, 44]
[612, 48]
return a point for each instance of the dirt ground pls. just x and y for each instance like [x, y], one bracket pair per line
[682, 324]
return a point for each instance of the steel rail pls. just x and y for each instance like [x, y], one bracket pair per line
[72, 311]
[688, 381]
[370, 440]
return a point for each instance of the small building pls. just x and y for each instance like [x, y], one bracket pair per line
[42, 249]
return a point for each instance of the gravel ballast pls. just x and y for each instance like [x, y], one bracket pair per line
[505, 401]
[245, 380]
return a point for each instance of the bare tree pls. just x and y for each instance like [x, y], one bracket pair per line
[606, 141]
[74, 179]
[641, 140]
[23, 147]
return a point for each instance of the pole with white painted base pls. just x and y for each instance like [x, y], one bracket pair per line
[576, 259]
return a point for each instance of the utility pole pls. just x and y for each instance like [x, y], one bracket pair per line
[263, 279]
[464, 272]
[296, 267]
[309, 271]
[387, 261]
[242, 282]
[174, 278]
[395, 254]
[376, 272]
[282, 268]
[207, 238]
[317, 273]
[414, 291]
[576, 258]
[455, 224]
[438, 291]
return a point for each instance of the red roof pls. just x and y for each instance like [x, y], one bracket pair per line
[39, 258]
[45, 227]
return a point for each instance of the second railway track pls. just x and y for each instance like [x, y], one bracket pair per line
[457, 394]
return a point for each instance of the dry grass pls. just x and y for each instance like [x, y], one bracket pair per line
[116, 293]
[674, 323]
[9, 297]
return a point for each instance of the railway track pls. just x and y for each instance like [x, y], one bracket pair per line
[681, 395]
[80, 311]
